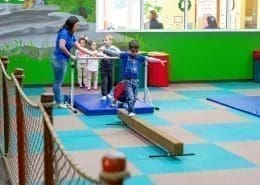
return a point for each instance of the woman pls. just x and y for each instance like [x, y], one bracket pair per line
[64, 42]
[153, 23]
[211, 23]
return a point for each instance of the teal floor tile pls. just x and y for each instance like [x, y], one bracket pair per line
[152, 89]
[139, 179]
[74, 181]
[182, 105]
[226, 132]
[207, 157]
[100, 122]
[249, 117]
[82, 140]
[61, 112]
[237, 85]
[153, 119]
[208, 93]
[34, 91]
[36, 142]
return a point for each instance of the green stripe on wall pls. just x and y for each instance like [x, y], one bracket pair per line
[195, 56]
[205, 55]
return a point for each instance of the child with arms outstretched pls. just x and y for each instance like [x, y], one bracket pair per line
[130, 61]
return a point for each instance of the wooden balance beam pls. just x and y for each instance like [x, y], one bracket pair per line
[171, 145]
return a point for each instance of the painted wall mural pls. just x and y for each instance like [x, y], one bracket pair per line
[27, 36]
[28, 30]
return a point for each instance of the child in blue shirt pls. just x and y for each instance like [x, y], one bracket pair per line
[130, 61]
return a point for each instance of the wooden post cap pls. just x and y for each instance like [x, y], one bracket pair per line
[47, 98]
[4, 58]
[114, 168]
[5, 61]
[19, 73]
[114, 162]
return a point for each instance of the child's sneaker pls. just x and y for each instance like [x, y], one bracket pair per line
[103, 98]
[113, 104]
[62, 106]
[120, 105]
[131, 114]
[109, 96]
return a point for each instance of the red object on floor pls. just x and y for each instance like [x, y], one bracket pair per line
[256, 54]
[158, 75]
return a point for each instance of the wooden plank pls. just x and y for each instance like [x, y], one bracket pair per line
[167, 142]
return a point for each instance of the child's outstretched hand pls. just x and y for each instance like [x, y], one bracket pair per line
[101, 49]
[95, 53]
[163, 62]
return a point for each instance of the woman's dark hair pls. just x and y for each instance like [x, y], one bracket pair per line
[70, 22]
[154, 14]
[133, 44]
[212, 23]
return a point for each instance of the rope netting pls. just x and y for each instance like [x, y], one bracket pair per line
[1, 112]
[12, 153]
[65, 170]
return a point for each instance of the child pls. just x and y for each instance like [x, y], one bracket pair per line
[106, 68]
[92, 67]
[130, 61]
[82, 64]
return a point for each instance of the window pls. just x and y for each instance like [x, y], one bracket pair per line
[169, 15]
[177, 15]
[118, 15]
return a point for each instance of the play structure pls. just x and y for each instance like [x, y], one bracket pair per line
[92, 104]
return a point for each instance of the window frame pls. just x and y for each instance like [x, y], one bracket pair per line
[185, 18]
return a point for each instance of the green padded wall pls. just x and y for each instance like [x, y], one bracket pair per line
[205, 56]
[195, 56]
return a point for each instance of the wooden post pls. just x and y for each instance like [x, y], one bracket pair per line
[114, 169]
[5, 62]
[19, 74]
[47, 100]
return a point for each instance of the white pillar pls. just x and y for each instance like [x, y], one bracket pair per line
[142, 14]
[228, 14]
[186, 3]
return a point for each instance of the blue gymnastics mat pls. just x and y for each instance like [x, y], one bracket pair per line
[248, 104]
[91, 104]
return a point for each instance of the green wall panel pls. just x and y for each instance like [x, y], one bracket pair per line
[37, 72]
[197, 56]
